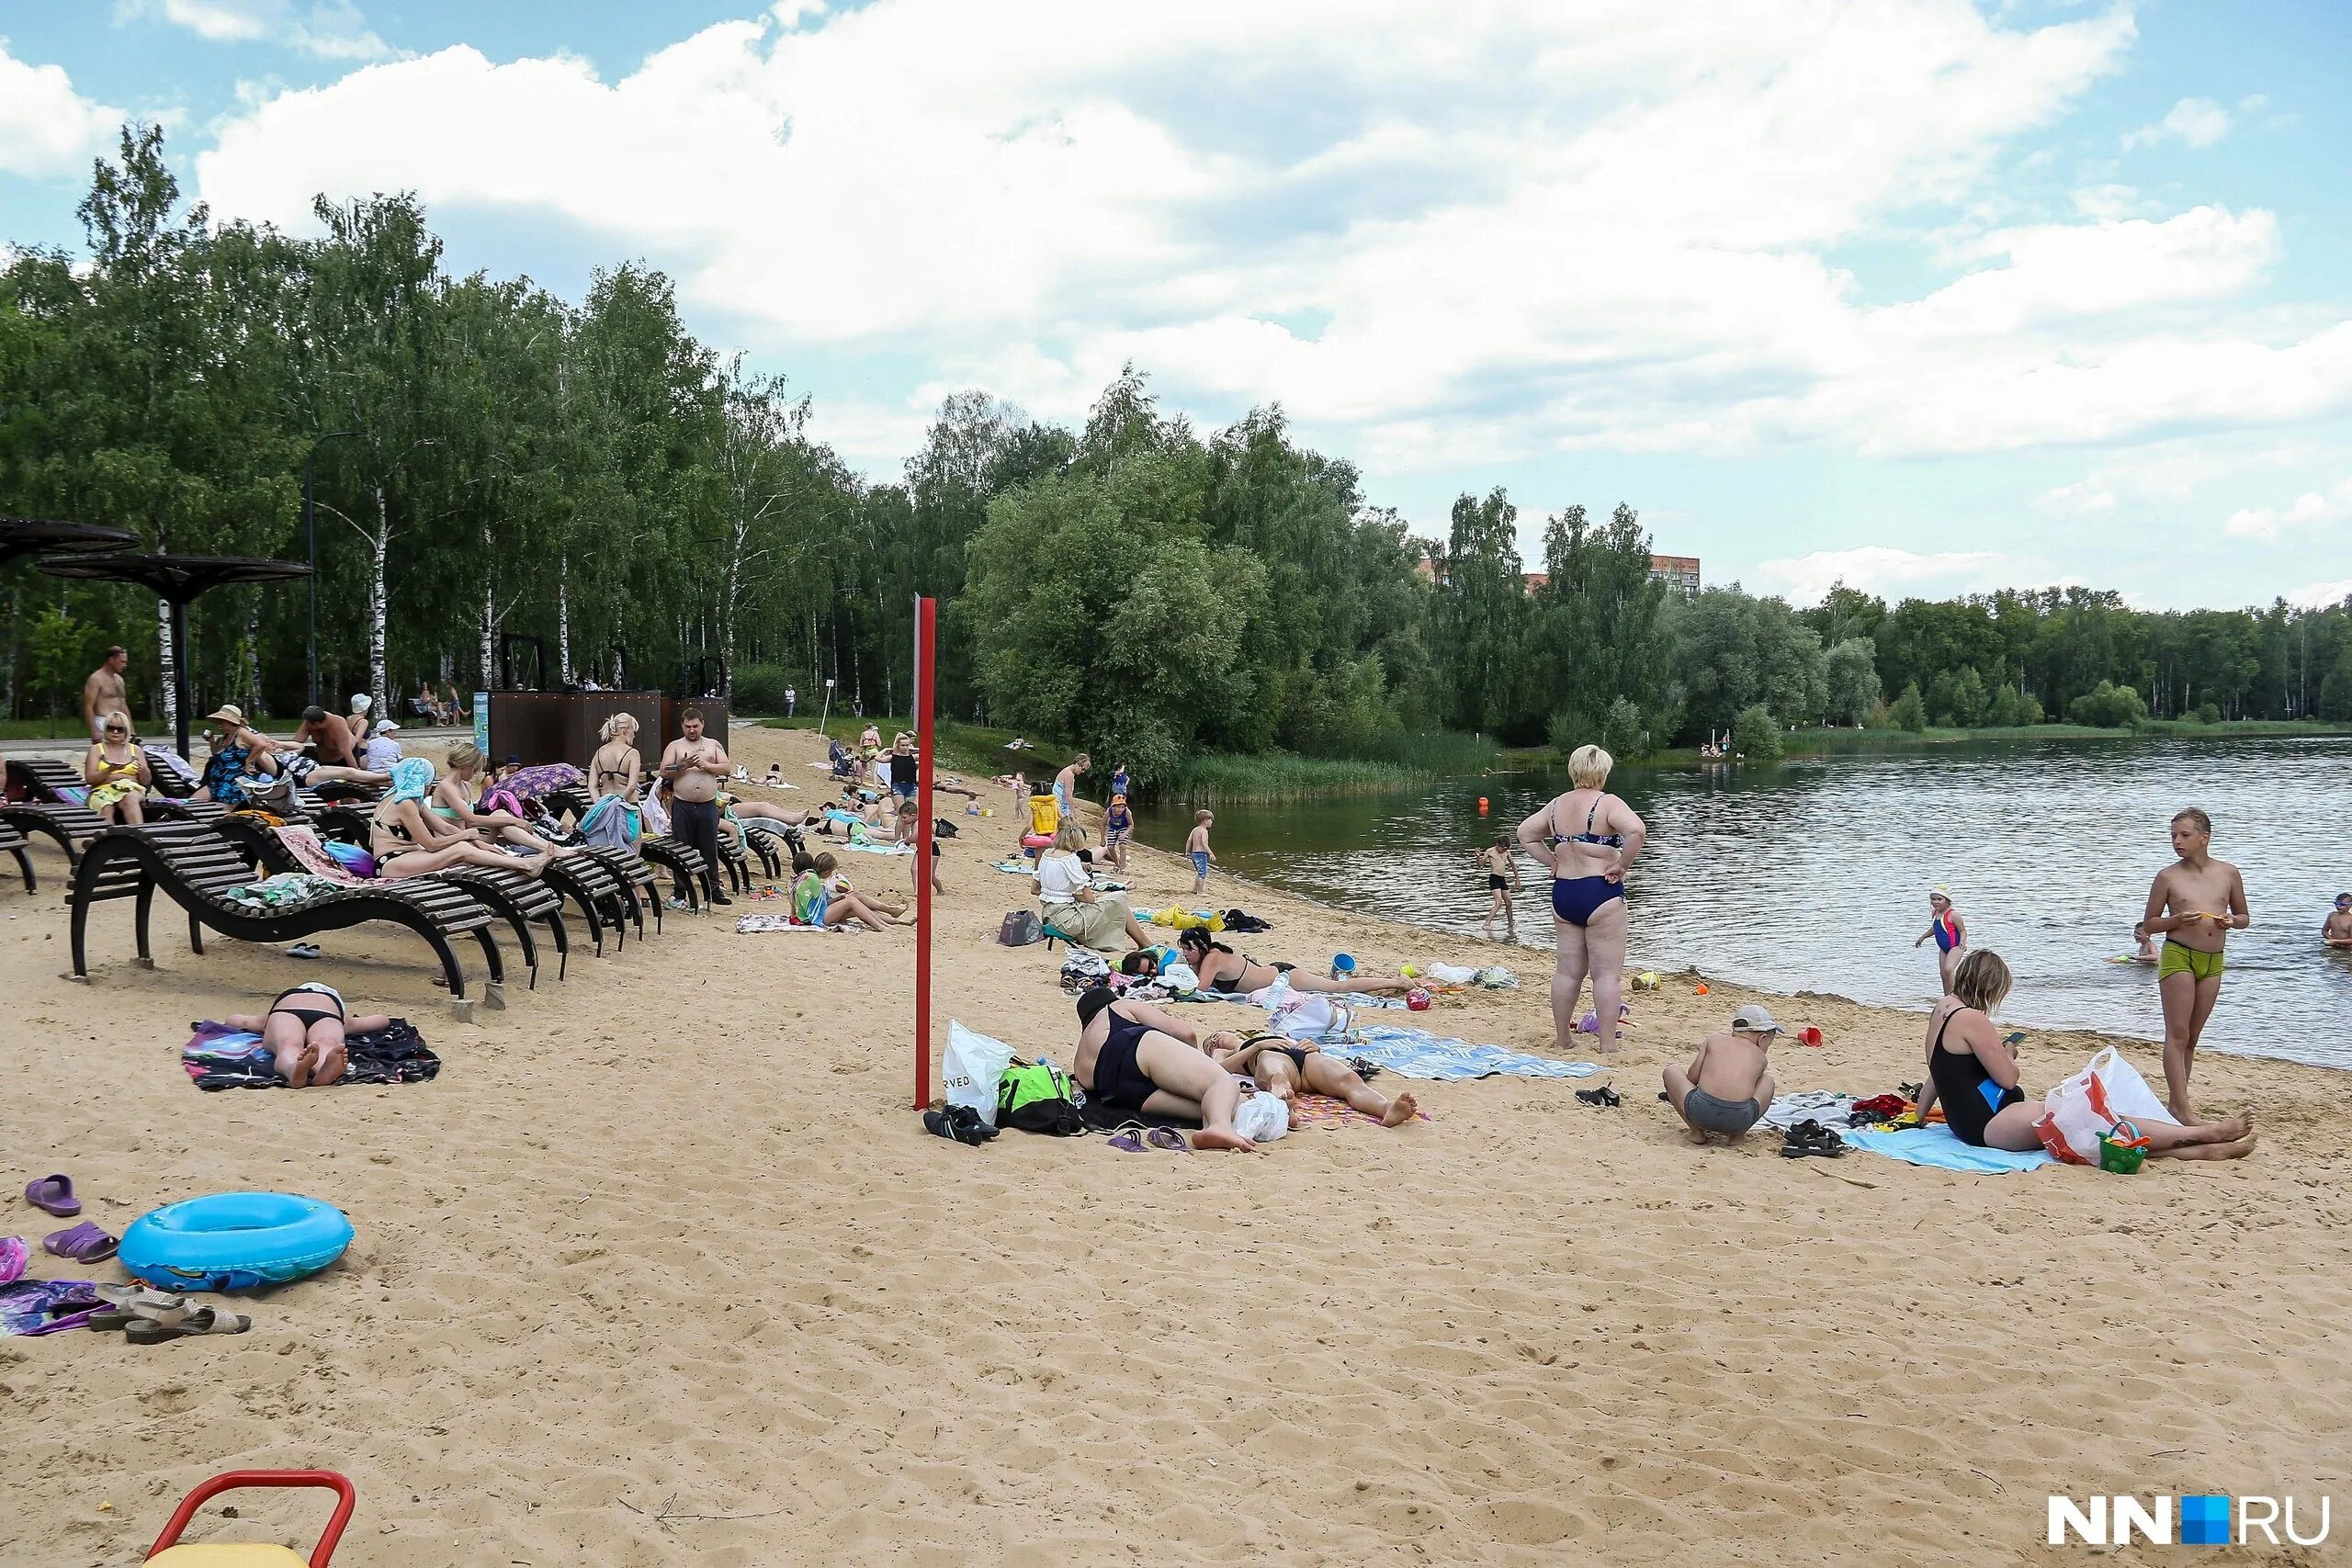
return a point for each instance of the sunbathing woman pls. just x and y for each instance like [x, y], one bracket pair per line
[1974, 1073]
[457, 799]
[304, 1029]
[116, 769]
[408, 840]
[1133, 1056]
[819, 900]
[1222, 969]
[1282, 1068]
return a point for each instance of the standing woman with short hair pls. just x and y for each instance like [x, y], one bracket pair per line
[1588, 837]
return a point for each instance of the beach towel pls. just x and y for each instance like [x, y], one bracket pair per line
[285, 890]
[544, 779]
[880, 849]
[1416, 1054]
[216, 1056]
[1832, 1110]
[1014, 868]
[1937, 1147]
[1329, 1111]
[750, 925]
[32, 1306]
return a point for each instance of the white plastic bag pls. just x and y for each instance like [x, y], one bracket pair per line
[1262, 1118]
[1310, 1016]
[973, 1066]
[2079, 1110]
[1452, 973]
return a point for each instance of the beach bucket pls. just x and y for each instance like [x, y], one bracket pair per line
[2123, 1151]
[1342, 963]
[1647, 980]
[1699, 990]
[1809, 1035]
[1418, 1000]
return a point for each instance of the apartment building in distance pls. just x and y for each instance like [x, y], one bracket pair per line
[1677, 573]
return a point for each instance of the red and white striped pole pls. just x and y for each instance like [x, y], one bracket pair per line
[926, 694]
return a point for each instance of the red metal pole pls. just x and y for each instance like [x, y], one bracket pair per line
[926, 693]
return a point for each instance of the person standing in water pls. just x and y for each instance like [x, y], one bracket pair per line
[2194, 903]
[1588, 838]
[1503, 883]
[2336, 930]
[1950, 933]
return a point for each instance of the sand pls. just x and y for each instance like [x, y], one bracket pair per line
[663, 1268]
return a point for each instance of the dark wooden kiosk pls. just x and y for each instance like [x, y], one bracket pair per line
[560, 726]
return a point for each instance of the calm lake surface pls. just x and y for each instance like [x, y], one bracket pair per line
[1813, 875]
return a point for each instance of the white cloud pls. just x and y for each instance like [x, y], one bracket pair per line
[47, 128]
[331, 30]
[1519, 229]
[2200, 122]
[2321, 595]
[1890, 573]
[2309, 510]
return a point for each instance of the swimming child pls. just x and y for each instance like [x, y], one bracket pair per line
[1727, 1089]
[1950, 933]
[304, 1030]
[2146, 952]
[1197, 846]
[2336, 930]
[1118, 824]
[1502, 881]
[2196, 902]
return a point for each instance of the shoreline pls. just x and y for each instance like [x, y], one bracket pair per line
[662, 1264]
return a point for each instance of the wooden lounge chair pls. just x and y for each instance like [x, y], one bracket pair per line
[197, 868]
[601, 892]
[513, 896]
[13, 843]
[44, 782]
[690, 875]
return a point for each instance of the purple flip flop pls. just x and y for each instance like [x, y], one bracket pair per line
[85, 1243]
[54, 1193]
[13, 1255]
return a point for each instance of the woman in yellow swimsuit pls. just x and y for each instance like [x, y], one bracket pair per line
[116, 771]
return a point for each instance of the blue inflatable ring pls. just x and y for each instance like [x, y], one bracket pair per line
[234, 1241]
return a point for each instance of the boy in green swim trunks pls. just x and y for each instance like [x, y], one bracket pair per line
[2194, 903]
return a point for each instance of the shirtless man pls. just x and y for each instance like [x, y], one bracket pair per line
[103, 693]
[2194, 903]
[694, 767]
[2336, 930]
[1728, 1087]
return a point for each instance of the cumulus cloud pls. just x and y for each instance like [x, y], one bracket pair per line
[2321, 595]
[1446, 236]
[46, 127]
[331, 30]
[1891, 573]
[2199, 122]
[2309, 509]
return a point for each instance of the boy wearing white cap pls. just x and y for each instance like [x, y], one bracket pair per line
[1728, 1087]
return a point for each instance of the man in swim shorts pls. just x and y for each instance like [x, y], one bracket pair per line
[2194, 903]
[1727, 1089]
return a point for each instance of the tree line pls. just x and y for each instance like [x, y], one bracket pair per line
[515, 488]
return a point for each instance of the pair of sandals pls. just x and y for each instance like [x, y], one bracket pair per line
[1810, 1138]
[151, 1317]
[960, 1123]
[1603, 1096]
[1134, 1138]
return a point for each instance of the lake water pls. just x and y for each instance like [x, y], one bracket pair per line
[1813, 875]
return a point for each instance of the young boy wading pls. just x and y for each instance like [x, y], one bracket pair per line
[2194, 904]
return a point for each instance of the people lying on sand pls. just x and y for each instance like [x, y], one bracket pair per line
[1587, 839]
[1133, 1056]
[1220, 968]
[2336, 930]
[1972, 1071]
[1284, 1068]
[456, 798]
[775, 776]
[409, 840]
[819, 900]
[117, 771]
[2196, 902]
[1950, 933]
[304, 1029]
[1727, 1089]
[1067, 900]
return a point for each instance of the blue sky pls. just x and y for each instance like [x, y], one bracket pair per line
[1934, 296]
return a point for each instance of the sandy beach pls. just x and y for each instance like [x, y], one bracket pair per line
[663, 1268]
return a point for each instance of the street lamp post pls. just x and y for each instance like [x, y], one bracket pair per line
[311, 539]
[828, 704]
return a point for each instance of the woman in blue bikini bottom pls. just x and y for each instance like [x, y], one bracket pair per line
[1588, 892]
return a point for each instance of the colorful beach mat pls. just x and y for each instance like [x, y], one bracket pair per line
[219, 1057]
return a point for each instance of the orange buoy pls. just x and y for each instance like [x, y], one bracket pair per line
[1482, 806]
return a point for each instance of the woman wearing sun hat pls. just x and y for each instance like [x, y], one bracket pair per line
[1950, 933]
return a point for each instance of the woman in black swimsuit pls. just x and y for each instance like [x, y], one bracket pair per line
[1972, 1071]
[1222, 969]
[304, 1029]
[1284, 1068]
[1133, 1056]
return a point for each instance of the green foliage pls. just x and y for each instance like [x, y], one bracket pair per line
[1908, 711]
[2009, 708]
[64, 652]
[2207, 712]
[1755, 734]
[1956, 699]
[760, 688]
[1733, 652]
[1850, 680]
[1272, 775]
[1625, 733]
[2109, 706]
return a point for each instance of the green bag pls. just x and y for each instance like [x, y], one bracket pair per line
[1037, 1097]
